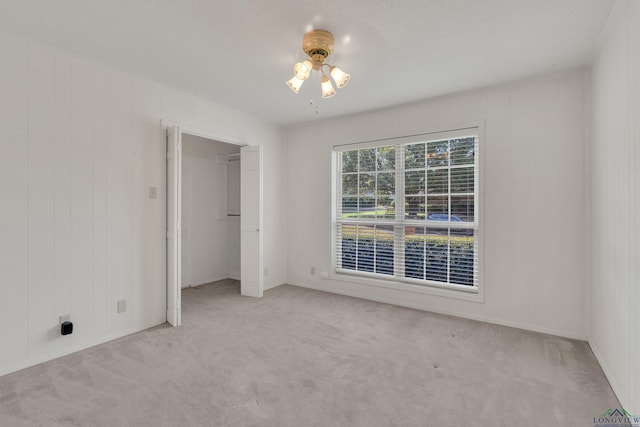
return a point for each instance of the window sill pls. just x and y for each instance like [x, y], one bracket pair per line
[466, 293]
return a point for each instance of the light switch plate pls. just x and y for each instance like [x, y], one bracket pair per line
[122, 306]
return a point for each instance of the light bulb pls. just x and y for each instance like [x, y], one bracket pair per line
[341, 78]
[295, 84]
[327, 88]
[303, 69]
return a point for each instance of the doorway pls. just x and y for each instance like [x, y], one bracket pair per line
[195, 157]
[210, 220]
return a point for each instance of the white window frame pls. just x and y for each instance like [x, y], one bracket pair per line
[470, 293]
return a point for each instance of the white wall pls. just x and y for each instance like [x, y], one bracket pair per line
[615, 203]
[210, 238]
[81, 145]
[533, 199]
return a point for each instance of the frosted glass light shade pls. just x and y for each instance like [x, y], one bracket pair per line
[303, 69]
[341, 78]
[295, 84]
[327, 88]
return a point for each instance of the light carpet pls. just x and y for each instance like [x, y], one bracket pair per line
[299, 357]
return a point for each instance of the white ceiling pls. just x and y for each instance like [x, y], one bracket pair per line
[239, 53]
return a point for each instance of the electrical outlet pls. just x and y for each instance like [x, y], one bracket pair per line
[122, 306]
[153, 192]
[313, 271]
[266, 271]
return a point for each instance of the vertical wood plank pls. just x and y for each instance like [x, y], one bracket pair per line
[620, 286]
[118, 198]
[81, 201]
[40, 243]
[200, 110]
[99, 189]
[13, 187]
[634, 137]
[153, 250]
[138, 195]
[188, 111]
[173, 105]
[61, 182]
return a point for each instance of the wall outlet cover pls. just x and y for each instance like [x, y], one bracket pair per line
[66, 328]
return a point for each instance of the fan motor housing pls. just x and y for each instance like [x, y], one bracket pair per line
[318, 44]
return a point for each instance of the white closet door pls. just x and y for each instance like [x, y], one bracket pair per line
[174, 173]
[251, 277]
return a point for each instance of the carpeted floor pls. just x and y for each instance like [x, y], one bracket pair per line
[299, 357]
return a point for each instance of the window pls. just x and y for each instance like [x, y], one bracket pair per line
[407, 209]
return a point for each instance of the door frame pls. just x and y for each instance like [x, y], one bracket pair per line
[166, 124]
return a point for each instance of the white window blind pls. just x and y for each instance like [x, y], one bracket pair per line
[407, 209]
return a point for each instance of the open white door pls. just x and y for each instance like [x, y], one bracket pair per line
[174, 184]
[251, 277]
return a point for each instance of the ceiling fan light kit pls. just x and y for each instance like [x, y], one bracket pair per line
[318, 45]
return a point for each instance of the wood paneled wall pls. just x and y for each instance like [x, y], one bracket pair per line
[614, 203]
[81, 145]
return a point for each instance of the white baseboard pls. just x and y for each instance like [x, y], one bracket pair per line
[250, 291]
[27, 363]
[207, 282]
[275, 285]
[607, 373]
[424, 307]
